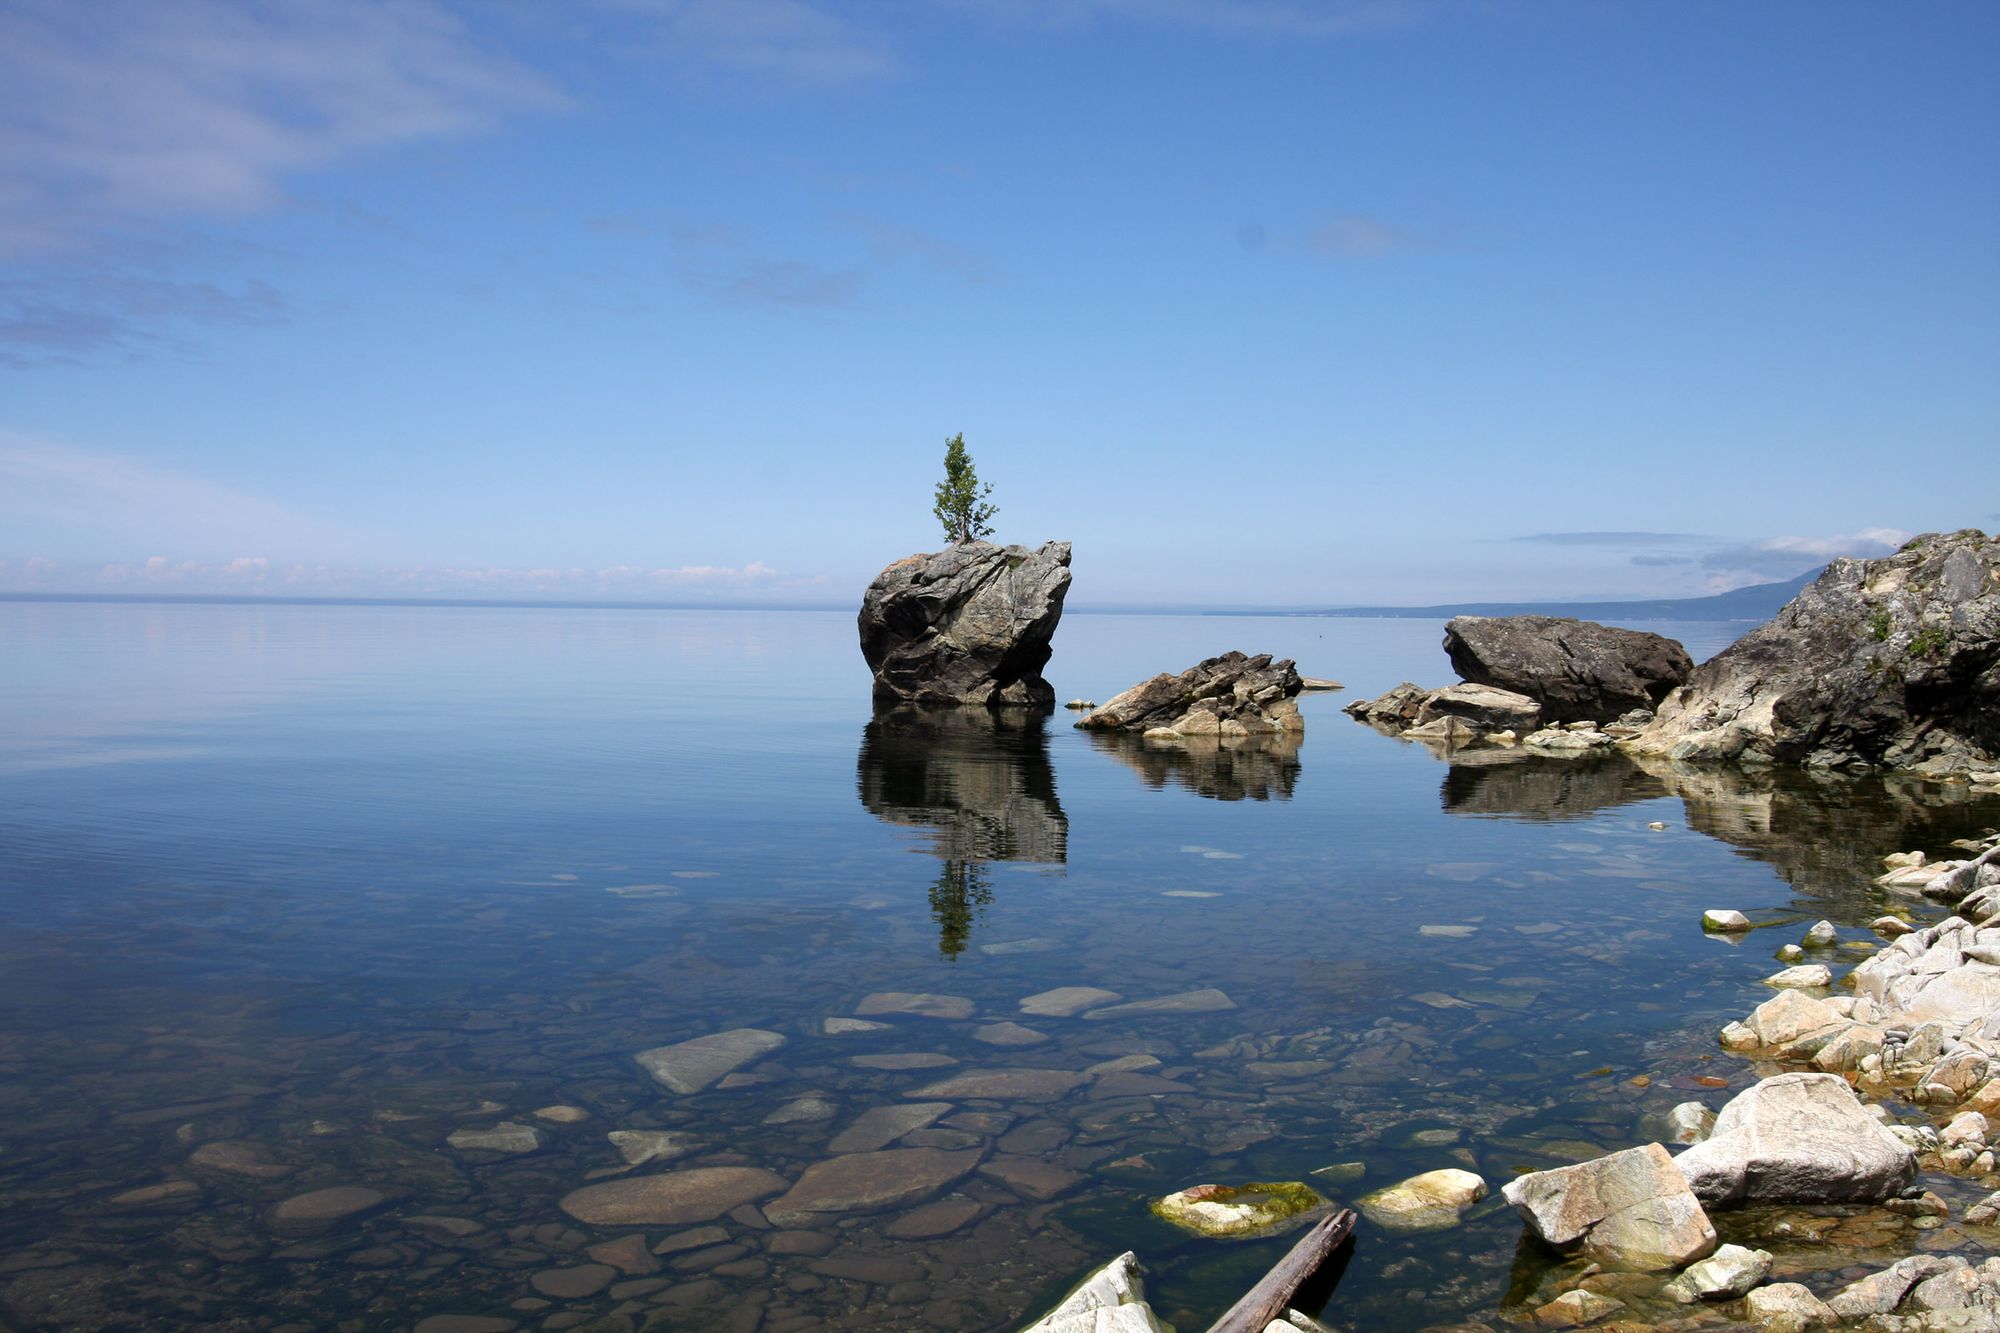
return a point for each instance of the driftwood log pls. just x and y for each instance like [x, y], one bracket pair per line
[1270, 1297]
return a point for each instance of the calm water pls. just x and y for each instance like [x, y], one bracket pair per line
[328, 884]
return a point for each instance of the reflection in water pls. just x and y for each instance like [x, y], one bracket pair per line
[980, 780]
[1522, 785]
[1256, 768]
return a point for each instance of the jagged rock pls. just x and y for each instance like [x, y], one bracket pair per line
[1111, 1300]
[970, 624]
[1631, 1209]
[1891, 663]
[1797, 1138]
[1577, 670]
[1396, 708]
[1230, 695]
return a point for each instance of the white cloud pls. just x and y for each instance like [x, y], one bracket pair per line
[1774, 559]
[125, 113]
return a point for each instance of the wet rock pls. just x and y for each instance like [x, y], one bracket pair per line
[880, 1126]
[627, 1254]
[935, 1219]
[804, 1111]
[868, 1182]
[640, 1146]
[1784, 1307]
[166, 1194]
[671, 1198]
[841, 1027]
[573, 1283]
[1689, 1122]
[1004, 1085]
[1574, 1309]
[1232, 695]
[322, 1207]
[1110, 1300]
[905, 1060]
[1429, 1202]
[690, 1066]
[1030, 1177]
[1821, 935]
[506, 1138]
[563, 1115]
[970, 624]
[1724, 921]
[1630, 1209]
[1008, 1034]
[916, 1004]
[1065, 1001]
[1880, 1293]
[238, 1158]
[1232, 1211]
[1577, 670]
[1893, 663]
[1796, 1138]
[1725, 1275]
[1205, 1001]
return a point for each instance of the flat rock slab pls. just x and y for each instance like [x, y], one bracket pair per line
[935, 1219]
[237, 1158]
[506, 1137]
[336, 1204]
[870, 1182]
[915, 1003]
[690, 1066]
[1030, 1177]
[842, 1027]
[640, 1146]
[1205, 1001]
[573, 1283]
[1630, 1210]
[905, 1060]
[1797, 1138]
[880, 1126]
[1008, 1034]
[1005, 1085]
[1066, 1001]
[166, 1194]
[672, 1198]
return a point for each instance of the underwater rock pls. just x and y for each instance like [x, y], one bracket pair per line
[690, 1066]
[869, 1182]
[506, 1137]
[1236, 1211]
[671, 1198]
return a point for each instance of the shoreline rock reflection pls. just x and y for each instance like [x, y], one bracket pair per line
[1250, 768]
[981, 782]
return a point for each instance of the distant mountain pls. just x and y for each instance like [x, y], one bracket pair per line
[1759, 601]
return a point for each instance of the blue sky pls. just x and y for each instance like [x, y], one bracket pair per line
[1257, 302]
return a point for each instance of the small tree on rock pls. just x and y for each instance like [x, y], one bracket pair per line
[961, 500]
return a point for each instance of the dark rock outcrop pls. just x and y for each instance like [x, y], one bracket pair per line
[1222, 697]
[1578, 670]
[1392, 709]
[1891, 663]
[970, 624]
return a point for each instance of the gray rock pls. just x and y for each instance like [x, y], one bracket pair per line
[1204, 1001]
[916, 1004]
[1395, 709]
[1630, 1209]
[868, 1182]
[1110, 1300]
[880, 1126]
[505, 1137]
[1577, 670]
[690, 1066]
[671, 1198]
[1797, 1138]
[1222, 697]
[1066, 1001]
[1725, 1275]
[639, 1146]
[1483, 707]
[1890, 663]
[970, 624]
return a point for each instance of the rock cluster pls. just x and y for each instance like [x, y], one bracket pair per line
[1890, 663]
[1228, 697]
[970, 624]
[1574, 670]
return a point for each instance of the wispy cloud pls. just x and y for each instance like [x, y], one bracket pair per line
[787, 41]
[90, 495]
[1294, 19]
[786, 284]
[1775, 558]
[1615, 538]
[65, 314]
[890, 243]
[1355, 236]
[126, 113]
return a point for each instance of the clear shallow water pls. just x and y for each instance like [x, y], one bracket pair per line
[336, 882]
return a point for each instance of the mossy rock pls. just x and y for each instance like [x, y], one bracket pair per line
[1236, 1212]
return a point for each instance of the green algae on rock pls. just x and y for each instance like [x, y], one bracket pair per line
[1229, 1212]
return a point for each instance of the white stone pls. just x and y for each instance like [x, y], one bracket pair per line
[1724, 920]
[1796, 1138]
[1725, 1275]
[1428, 1202]
[1809, 976]
[1110, 1300]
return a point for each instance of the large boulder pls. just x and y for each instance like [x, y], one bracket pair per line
[1889, 663]
[1629, 1210]
[1797, 1138]
[1577, 670]
[970, 624]
[1223, 697]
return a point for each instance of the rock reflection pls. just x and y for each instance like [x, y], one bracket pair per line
[1252, 768]
[980, 780]
[1517, 784]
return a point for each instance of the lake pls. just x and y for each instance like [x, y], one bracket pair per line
[294, 894]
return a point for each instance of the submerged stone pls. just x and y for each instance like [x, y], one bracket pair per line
[880, 1126]
[334, 1204]
[1236, 1211]
[916, 1004]
[506, 1137]
[672, 1198]
[1205, 1001]
[1005, 1085]
[1065, 1001]
[691, 1066]
[640, 1146]
[868, 1182]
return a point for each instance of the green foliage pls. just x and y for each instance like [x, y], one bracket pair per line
[959, 897]
[1927, 642]
[961, 500]
[1878, 625]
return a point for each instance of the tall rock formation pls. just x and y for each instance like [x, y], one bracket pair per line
[1889, 663]
[970, 624]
